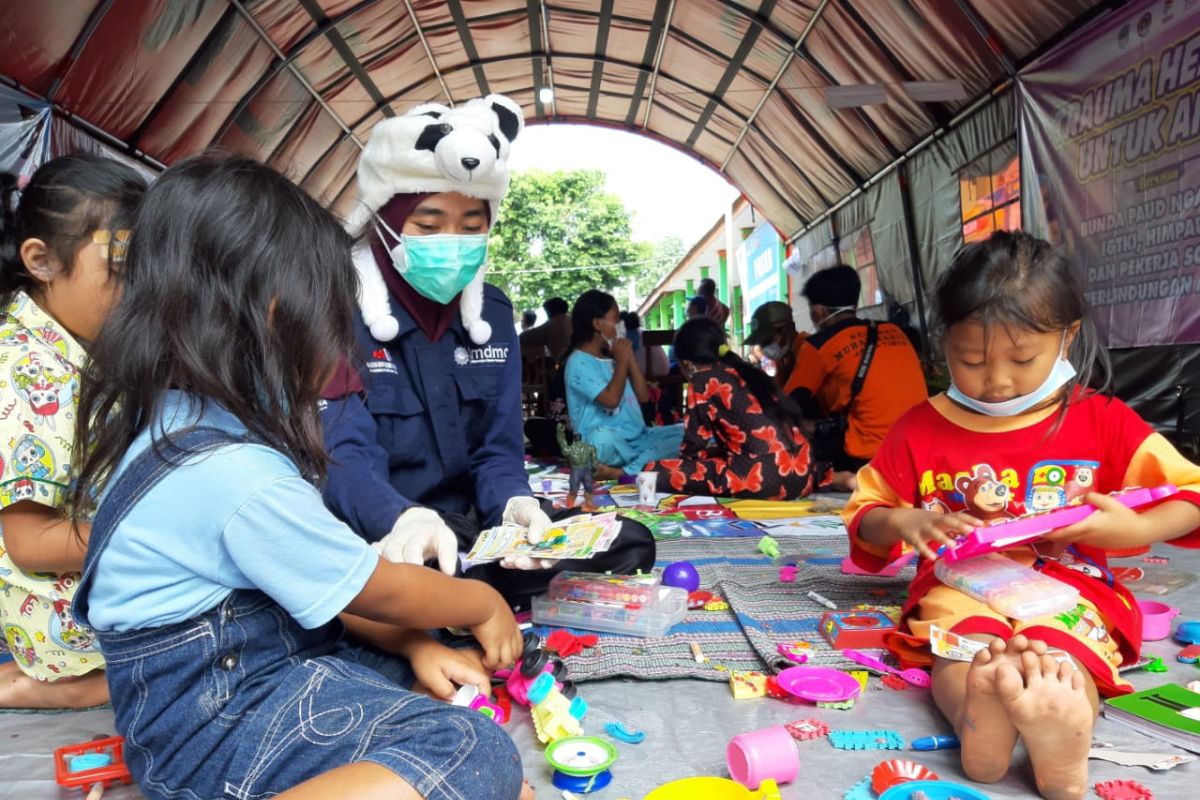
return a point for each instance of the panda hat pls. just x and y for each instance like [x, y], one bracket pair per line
[433, 149]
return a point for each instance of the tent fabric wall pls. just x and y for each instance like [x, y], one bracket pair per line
[24, 132]
[1148, 379]
[933, 182]
[31, 134]
[741, 86]
[881, 210]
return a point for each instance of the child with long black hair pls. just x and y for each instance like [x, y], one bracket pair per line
[215, 575]
[742, 436]
[1021, 429]
[61, 248]
[605, 390]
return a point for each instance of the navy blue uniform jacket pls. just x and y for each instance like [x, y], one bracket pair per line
[439, 424]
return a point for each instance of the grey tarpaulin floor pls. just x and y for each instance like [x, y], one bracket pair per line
[687, 725]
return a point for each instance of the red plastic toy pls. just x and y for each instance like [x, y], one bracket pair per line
[567, 644]
[856, 630]
[1189, 654]
[1010, 532]
[1123, 790]
[108, 775]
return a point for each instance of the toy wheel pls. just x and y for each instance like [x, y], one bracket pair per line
[534, 663]
[578, 708]
[568, 690]
[530, 641]
[581, 755]
[539, 690]
[558, 669]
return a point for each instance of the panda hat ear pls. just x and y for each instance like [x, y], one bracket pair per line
[509, 119]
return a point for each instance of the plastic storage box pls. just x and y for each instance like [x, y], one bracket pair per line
[599, 587]
[1013, 589]
[668, 607]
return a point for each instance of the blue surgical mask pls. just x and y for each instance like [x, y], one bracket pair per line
[438, 266]
[1062, 372]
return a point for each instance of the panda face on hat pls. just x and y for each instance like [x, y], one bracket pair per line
[433, 149]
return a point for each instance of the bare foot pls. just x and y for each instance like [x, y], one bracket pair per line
[606, 473]
[18, 690]
[526, 791]
[987, 735]
[844, 482]
[1054, 716]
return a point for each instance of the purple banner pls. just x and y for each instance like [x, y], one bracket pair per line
[1111, 129]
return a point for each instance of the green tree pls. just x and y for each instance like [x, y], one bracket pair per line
[661, 257]
[559, 235]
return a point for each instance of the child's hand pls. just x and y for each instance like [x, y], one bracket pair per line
[920, 529]
[499, 636]
[1113, 525]
[440, 669]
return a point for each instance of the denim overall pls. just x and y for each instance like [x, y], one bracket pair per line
[242, 702]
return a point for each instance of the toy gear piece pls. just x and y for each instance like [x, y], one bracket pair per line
[1123, 790]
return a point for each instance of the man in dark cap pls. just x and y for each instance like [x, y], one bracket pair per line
[773, 330]
[854, 378]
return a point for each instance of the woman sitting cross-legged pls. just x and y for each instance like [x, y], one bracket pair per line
[742, 437]
[605, 389]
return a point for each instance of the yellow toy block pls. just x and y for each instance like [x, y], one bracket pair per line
[746, 685]
[860, 676]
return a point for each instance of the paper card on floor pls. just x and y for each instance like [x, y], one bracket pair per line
[1155, 761]
[805, 526]
[625, 499]
[696, 500]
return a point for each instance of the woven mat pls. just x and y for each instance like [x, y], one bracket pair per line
[763, 612]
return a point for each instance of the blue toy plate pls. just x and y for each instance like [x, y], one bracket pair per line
[934, 790]
[1188, 632]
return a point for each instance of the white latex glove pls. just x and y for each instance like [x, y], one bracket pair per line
[527, 512]
[419, 535]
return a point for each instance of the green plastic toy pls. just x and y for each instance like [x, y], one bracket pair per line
[582, 458]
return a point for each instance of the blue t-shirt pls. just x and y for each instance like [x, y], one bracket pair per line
[588, 376]
[237, 517]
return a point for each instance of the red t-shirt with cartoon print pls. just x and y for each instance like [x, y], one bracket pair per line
[941, 457]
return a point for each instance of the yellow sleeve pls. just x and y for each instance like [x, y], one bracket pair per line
[873, 492]
[1155, 462]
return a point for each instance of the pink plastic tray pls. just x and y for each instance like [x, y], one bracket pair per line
[818, 684]
[1011, 532]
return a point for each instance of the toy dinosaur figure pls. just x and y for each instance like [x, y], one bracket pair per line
[582, 458]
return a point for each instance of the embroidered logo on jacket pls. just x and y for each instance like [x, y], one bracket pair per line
[381, 361]
[493, 354]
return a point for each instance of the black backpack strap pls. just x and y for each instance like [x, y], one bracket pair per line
[860, 377]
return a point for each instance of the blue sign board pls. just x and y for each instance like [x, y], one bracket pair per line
[758, 264]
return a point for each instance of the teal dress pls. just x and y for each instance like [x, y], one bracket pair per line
[619, 435]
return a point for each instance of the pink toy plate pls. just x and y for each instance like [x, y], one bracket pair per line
[1002, 535]
[818, 684]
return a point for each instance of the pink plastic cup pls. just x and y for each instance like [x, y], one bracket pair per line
[1156, 619]
[756, 756]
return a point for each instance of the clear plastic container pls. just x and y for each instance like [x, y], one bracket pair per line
[599, 587]
[668, 608]
[1013, 589]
